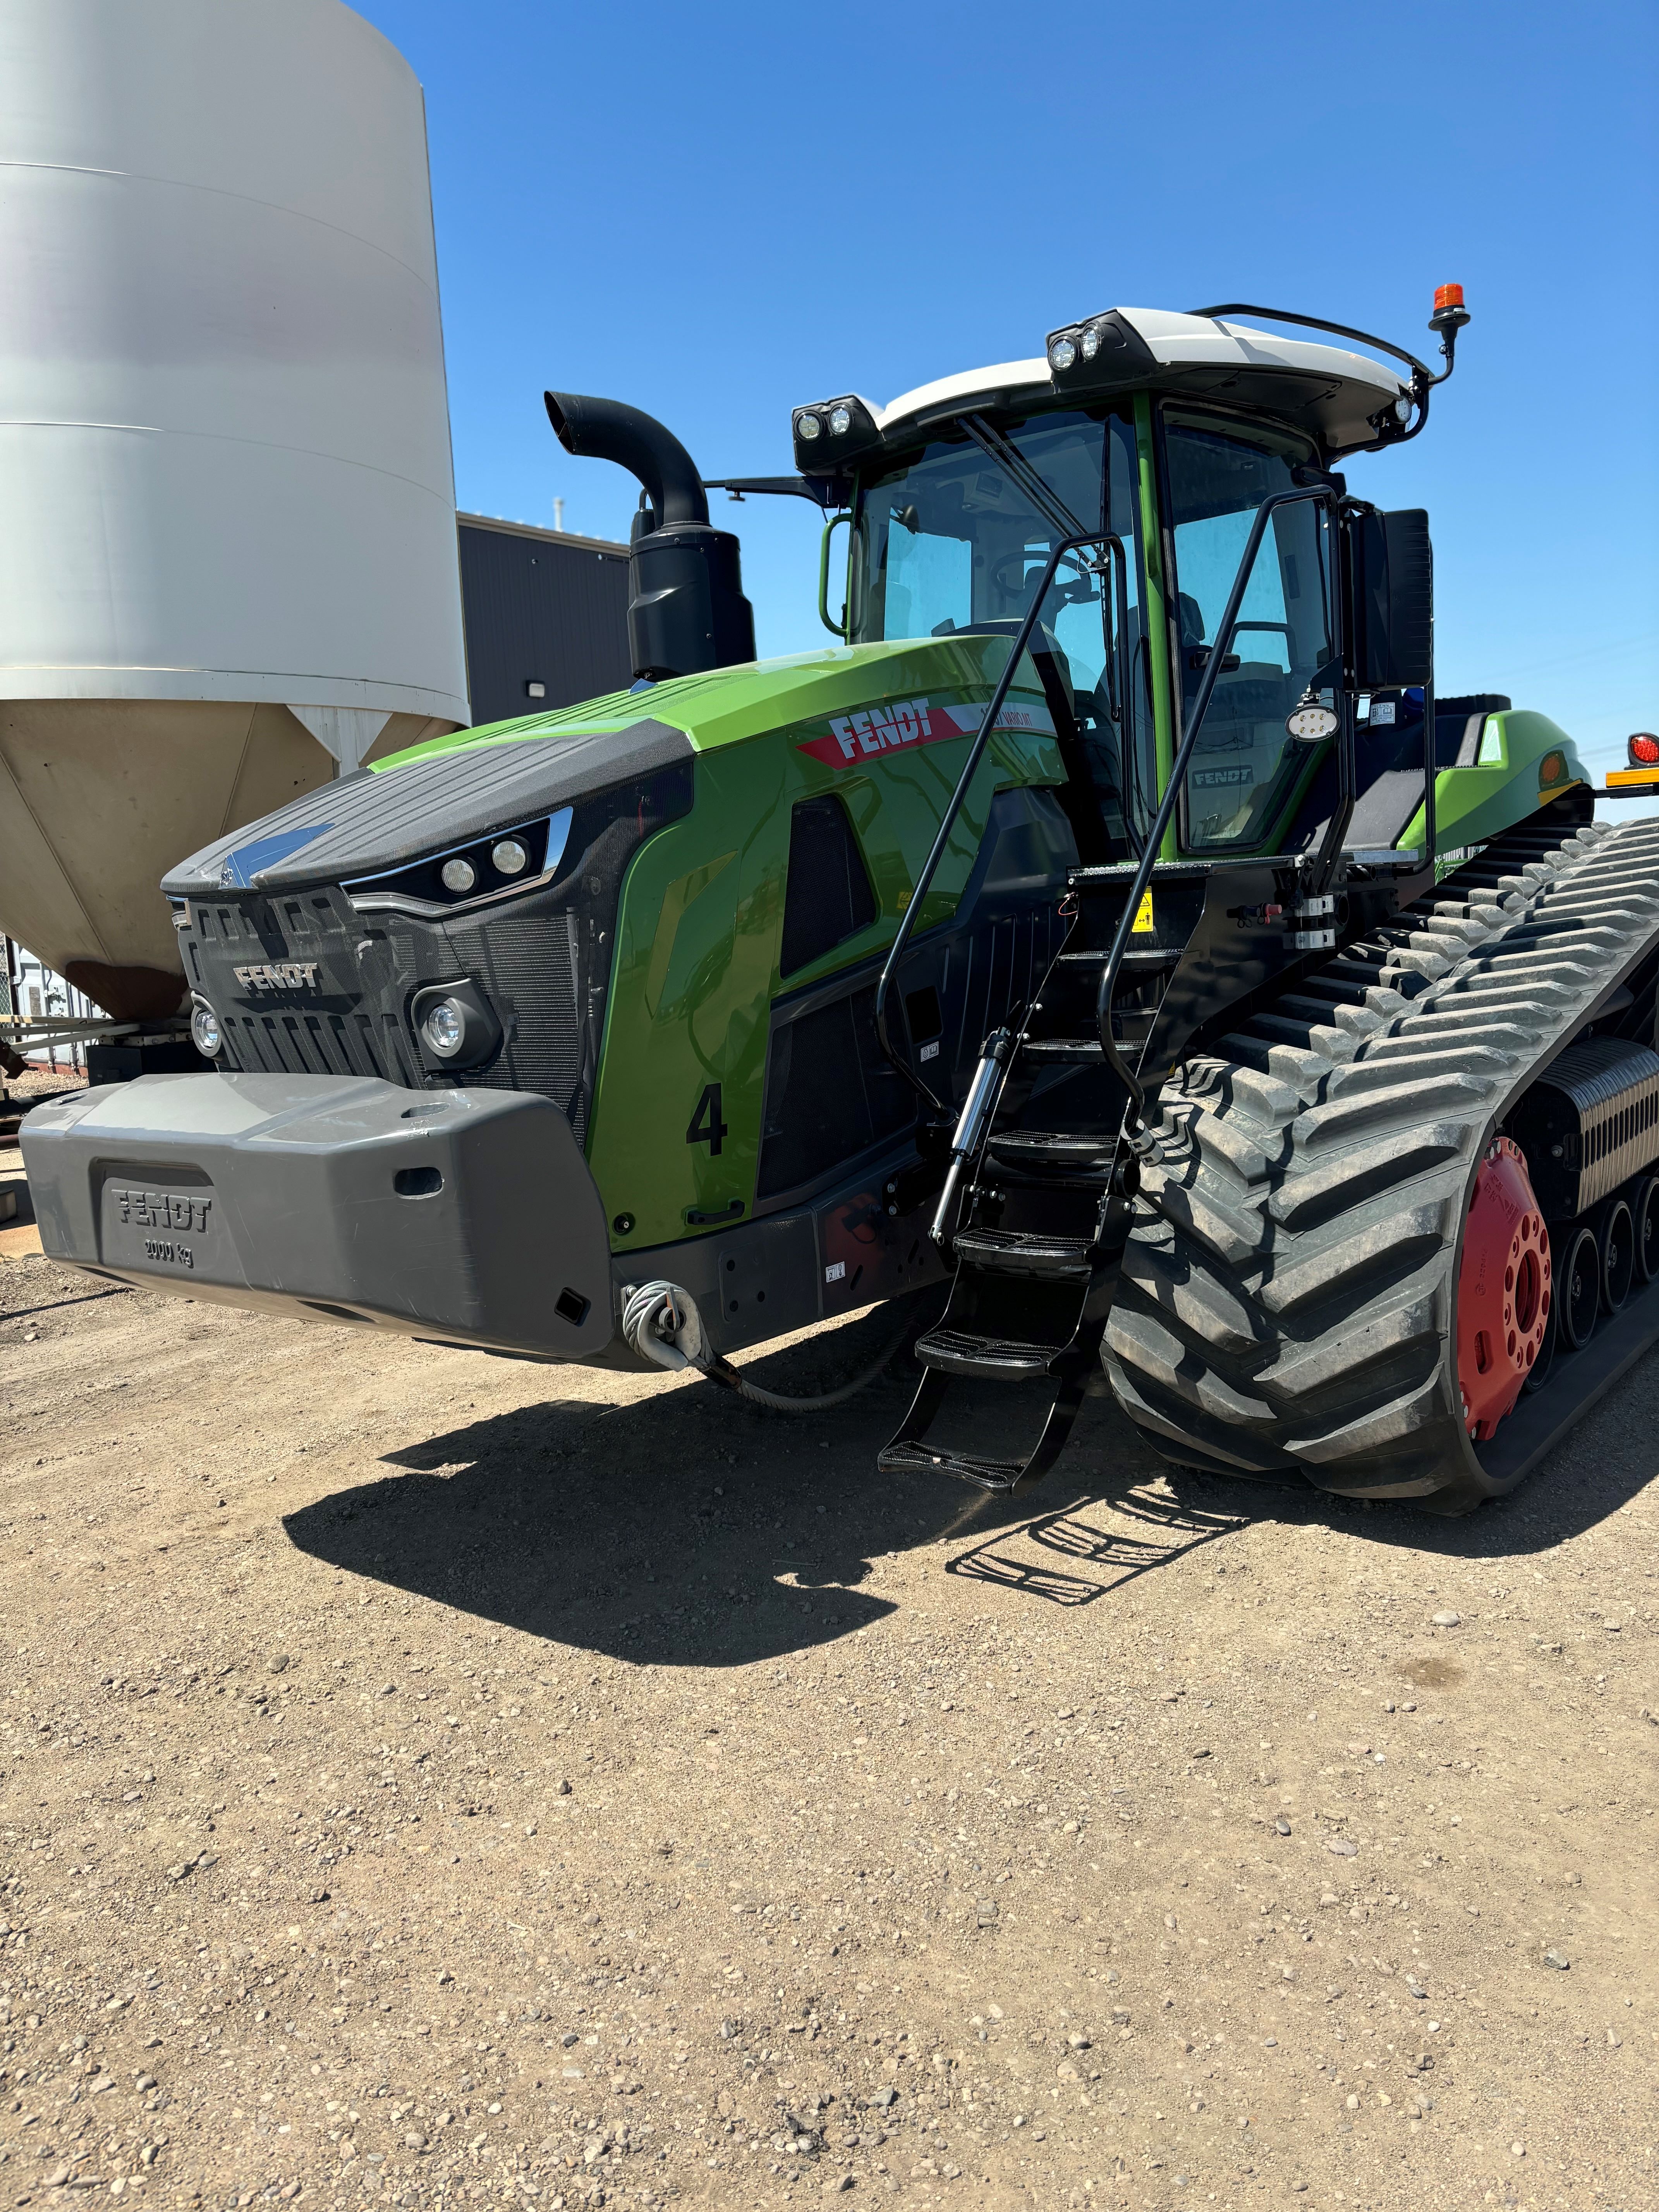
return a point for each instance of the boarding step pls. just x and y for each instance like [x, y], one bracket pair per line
[987, 1358]
[905, 1457]
[1140, 957]
[1054, 1152]
[1081, 1049]
[1025, 1252]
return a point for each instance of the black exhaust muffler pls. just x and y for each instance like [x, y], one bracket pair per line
[686, 611]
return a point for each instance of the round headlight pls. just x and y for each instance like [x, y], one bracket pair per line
[841, 421]
[1402, 408]
[1089, 343]
[808, 426]
[205, 1033]
[445, 1027]
[1062, 353]
[510, 857]
[458, 875]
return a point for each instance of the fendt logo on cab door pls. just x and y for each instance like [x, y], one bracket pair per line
[901, 723]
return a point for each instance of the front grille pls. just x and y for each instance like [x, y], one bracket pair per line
[288, 1042]
[352, 1017]
[325, 988]
[530, 963]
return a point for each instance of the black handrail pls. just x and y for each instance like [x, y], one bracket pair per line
[947, 823]
[1125, 1075]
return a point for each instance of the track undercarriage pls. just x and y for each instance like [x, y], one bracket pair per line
[1281, 1295]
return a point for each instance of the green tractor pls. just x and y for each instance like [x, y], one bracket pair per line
[1111, 922]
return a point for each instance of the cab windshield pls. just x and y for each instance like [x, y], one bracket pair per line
[955, 541]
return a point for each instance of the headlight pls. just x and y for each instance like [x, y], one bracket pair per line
[1402, 408]
[510, 857]
[205, 1032]
[808, 426]
[458, 875]
[1089, 343]
[841, 421]
[444, 1028]
[1062, 353]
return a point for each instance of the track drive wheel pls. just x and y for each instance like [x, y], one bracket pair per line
[1503, 1290]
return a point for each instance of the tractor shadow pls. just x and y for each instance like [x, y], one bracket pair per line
[684, 1528]
[690, 1528]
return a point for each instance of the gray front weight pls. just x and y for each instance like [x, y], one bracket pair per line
[465, 1215]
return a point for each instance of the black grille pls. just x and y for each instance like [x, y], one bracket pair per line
[529, 962]
[326, 988]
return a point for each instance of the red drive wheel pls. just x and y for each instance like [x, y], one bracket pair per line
[1503, 1290]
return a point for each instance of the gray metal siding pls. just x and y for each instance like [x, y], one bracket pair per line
[545, 609]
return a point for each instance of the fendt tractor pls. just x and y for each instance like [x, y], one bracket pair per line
[1111, 921]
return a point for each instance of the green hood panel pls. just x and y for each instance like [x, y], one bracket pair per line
[886, 729]
[725, 706]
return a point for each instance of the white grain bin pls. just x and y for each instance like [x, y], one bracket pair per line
[227, 561]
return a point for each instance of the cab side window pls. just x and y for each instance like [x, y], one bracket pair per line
[1245, 765]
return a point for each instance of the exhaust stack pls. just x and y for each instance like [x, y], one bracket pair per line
[686, 611]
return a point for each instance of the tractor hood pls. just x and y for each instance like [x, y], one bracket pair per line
[436, 796]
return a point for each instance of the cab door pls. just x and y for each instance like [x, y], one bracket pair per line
[1247, 774]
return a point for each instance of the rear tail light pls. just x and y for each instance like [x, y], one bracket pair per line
[1643, 749]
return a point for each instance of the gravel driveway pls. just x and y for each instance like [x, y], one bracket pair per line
[426, 1776]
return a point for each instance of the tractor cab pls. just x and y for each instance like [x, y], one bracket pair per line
[1236, 654]
[1150, 443]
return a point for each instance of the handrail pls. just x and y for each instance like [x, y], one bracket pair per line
[958, 797]
[835, 630]
[1120, 1067]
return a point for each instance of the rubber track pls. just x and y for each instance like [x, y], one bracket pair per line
[1287, 1297]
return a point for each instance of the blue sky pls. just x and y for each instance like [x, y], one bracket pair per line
[716, 212]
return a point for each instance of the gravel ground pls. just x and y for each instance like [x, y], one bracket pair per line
[427, 1777]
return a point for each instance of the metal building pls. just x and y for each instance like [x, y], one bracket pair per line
[228, 566]
[546, 616]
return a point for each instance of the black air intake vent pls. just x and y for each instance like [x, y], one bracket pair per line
[828, 896]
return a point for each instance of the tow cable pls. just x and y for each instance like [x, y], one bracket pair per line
[661, 1322]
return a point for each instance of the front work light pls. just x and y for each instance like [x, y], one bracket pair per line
[204, 1030]
[458, 875]
[808, 426]
[510, 857]
[443, 1029]
[841, 421]
[1062, 353]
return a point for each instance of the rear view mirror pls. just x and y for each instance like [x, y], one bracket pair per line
[1391, 599]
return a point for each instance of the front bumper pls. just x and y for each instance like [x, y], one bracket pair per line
[468, 1216]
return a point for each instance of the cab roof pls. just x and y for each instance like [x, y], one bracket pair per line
[1327, 390]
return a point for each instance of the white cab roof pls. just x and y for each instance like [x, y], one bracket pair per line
[1337, 390]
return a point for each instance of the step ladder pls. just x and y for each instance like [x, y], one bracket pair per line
[1042, 1219]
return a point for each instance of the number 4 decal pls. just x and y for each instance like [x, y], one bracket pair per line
[707, 1127]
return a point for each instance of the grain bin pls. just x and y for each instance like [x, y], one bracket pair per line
[228, 569]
